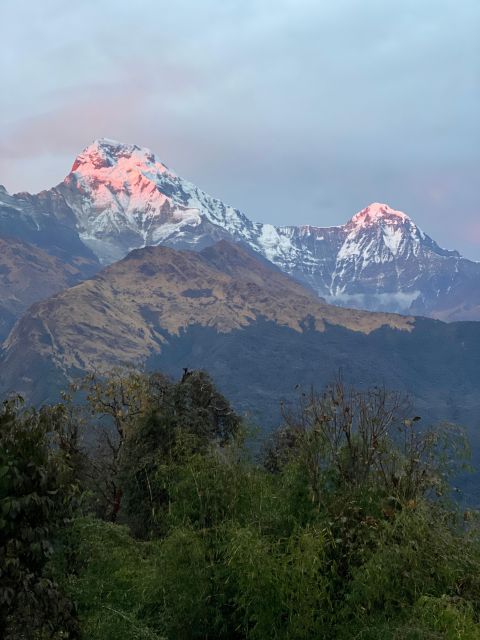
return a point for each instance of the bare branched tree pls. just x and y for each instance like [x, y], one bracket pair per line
[363, 436]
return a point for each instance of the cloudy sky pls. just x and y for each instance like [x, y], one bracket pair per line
[295, 111]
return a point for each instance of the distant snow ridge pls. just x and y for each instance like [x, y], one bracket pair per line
[124, 198]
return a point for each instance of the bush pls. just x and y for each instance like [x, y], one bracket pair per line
[112, 580]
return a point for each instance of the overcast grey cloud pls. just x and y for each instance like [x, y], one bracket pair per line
[295, 111]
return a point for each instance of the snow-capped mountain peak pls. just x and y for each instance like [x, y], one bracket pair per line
[118, 176]
[121, 197]
[116, 163]
[379, 242]
[376, 213]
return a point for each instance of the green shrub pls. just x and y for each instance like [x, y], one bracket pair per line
[112, 580]
[448, 617]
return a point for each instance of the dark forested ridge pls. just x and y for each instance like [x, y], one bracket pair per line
[438, 364]
[165, 525]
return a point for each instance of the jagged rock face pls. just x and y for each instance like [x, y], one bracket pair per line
[123, 198]
[40, 254]
[46, 222]
[381, 260]
[120, 197]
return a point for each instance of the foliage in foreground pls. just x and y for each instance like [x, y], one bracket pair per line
[37, 499]
[342, 529]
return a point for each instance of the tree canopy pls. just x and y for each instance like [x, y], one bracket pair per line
[341, 526]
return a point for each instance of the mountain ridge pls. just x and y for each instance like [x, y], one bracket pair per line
[128, 311]
[121, 197]
[378, 260]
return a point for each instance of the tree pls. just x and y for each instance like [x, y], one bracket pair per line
[191, 416]
[115, 401]
[355, 439]
[148, 414]
[341, 534]
[36, 499]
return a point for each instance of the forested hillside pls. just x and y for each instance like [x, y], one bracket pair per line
[141, 508]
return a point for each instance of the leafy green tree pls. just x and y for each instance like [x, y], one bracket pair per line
[149, 415]
[189, 418]
[36, 501]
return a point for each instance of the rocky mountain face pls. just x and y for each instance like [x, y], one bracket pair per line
[129, 311]
[40, 254]
[28, 274]
[120, 197]
[45, 221]
[381, 260]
